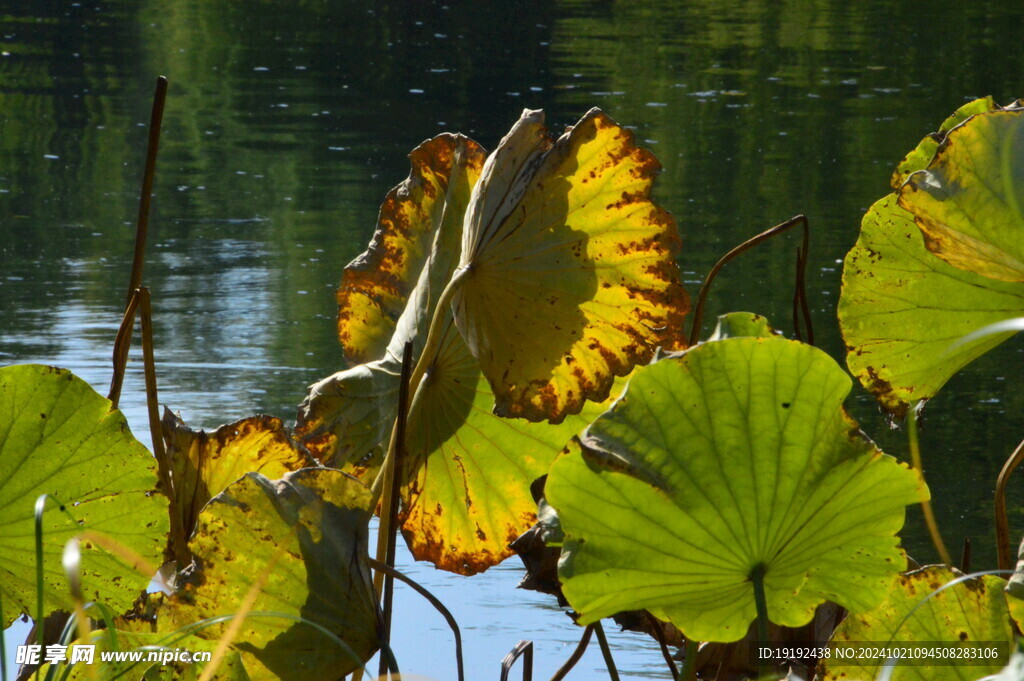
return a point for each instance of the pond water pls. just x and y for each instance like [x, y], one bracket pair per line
[287, 122]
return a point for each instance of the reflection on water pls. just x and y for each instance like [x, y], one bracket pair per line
[288, 122]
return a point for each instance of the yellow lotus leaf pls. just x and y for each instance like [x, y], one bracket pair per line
[204, 464]
[568, 267]
[376, 285]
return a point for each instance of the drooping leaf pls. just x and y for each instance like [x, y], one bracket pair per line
[473, 466]
[570, 272]
[467, 495]
[902, 311]
[59, 437]
[310, 528]
[968, 201]
[924, 152]
[733, 455]
[204, 464]
[966, 614]
[377, 284]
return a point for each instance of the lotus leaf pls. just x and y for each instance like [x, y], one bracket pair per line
[466, 478]
[732, 458]
[59, 437]
[376, 285]
[569, 267]
[310, 529]
[902, 310]
[918, 159]
[968, 201]
[967, 613]
[203, 464]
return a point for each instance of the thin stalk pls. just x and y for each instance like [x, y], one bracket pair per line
[427, 357]
[179, 542]
[965, 556]
[698, 311]
[690, 663]
[523, 649]
[391, 472]
[1002, 522]
[564, 670]
[760, 602]
[434, 601]
[142, 223]
[926, 505]
[659, 635]
[606, 651]
[122, 343]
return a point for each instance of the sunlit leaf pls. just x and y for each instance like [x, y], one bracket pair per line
[469, 472]
[968, 201]
[902, 311]
[377, 284]
[570, 267]
[964, 614]
[733, 455]
[204, 464]
[918, 159]
[310, 529]
[739, 324]
[473, 466]
[59, 437]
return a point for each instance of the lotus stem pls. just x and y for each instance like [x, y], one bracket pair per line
[690, 663]
[179, 542]
[564, 670]
[142, 224]
[1005, 560]
[523, 649]
[760, 602]
[390, 571]
[606, 652]
[659, 635]
[698, 310]
[926, 505]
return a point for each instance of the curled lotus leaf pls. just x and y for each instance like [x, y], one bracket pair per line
[732, 458]
[902, 311]
[568, 266]
[204, 464]
[919, 158]
[59, 437]
[466, 476]
[376, 285]
[969, 200]
[305, 537]
[919, 612]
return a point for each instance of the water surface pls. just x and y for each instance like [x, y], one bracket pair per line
[287, 123]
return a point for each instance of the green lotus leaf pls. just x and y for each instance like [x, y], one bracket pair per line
[965, 614]
[203, 464]
[968, 201]
[732, 457]
[570, 277]
[902, 311]
[59, 437]
[311, 529]
[924, 152]
[467, 473]
[738, 324]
